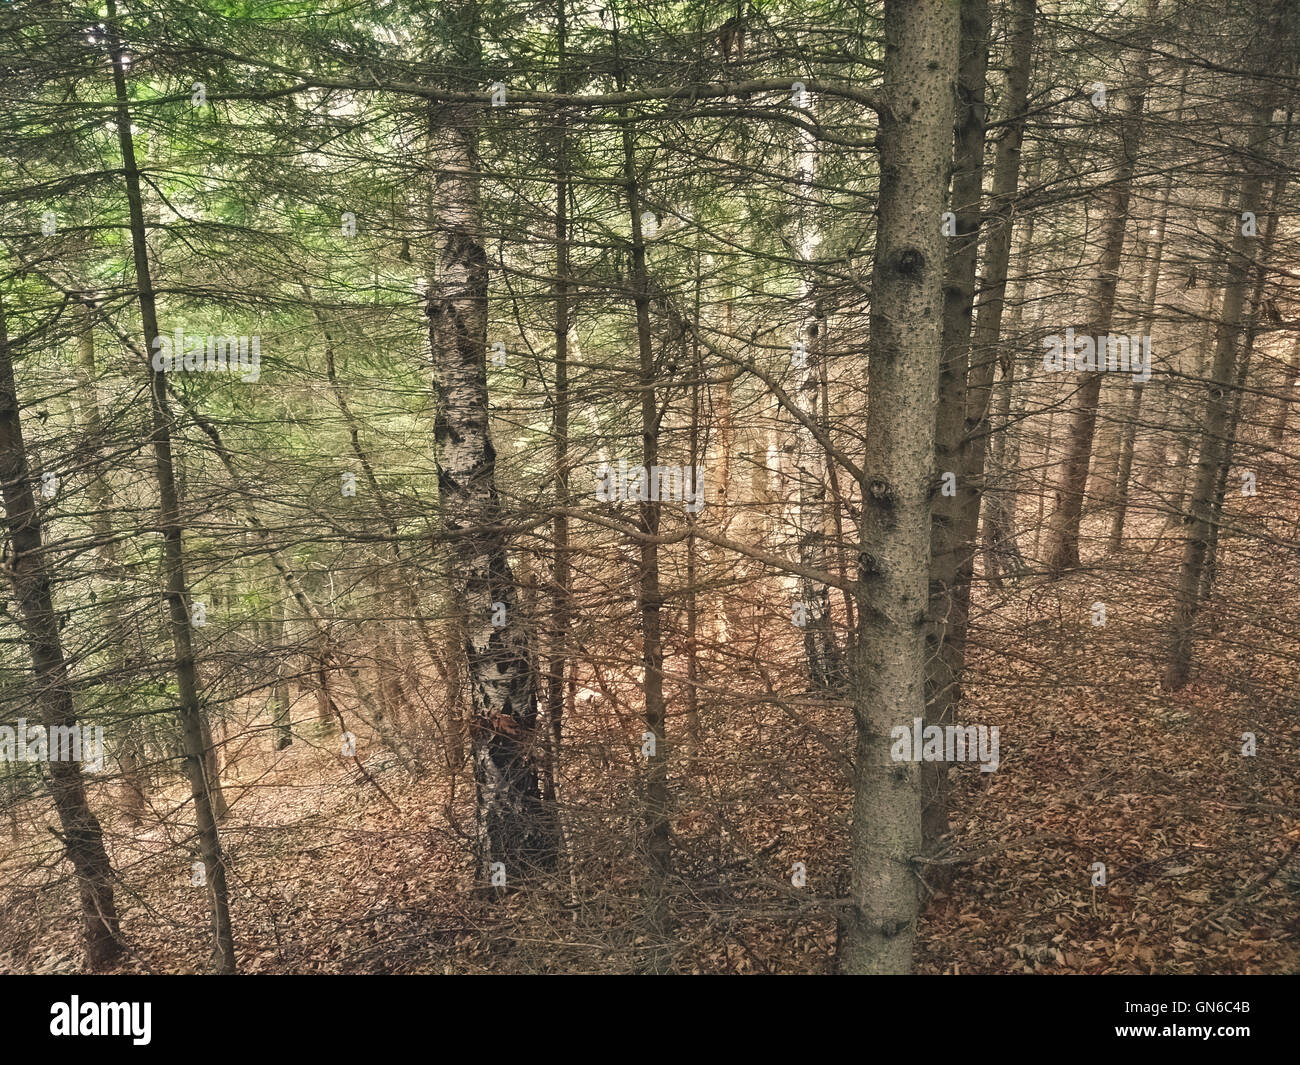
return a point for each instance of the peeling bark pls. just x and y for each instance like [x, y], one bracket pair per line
[502, 674]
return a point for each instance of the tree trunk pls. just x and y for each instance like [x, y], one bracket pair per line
[560, 578]
[502, 674]
[946, 631]
[82, 838]
[1001, 549]
[657, 841]
[906, 346]
[694, 459]
[1288, 395]
[1146, 315]
[92, 428]
[821, 654]
[326, 711]
[1214, 437]
[1072, 477]
[1239, 392]
[124, 730]
[280, 699]
[1186, 417]
[176, 591]
[999, 506]
[1116, 399]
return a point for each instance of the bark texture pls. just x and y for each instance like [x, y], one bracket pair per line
[501, 671]
[888, 686]
[26, 565]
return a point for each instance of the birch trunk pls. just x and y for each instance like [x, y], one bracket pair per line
[501, 670]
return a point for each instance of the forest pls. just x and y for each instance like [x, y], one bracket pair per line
[649, 487]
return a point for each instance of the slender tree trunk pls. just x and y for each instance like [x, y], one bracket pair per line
[1001, 549]
[1116, 398]
[906, 348]
[721, 405]
[176, 592]
[125, 729]
[999, 518]
[1041, 493]
[281, 701]
[821, 654]
[1199, 521]
[695, 459]
[1187, 417]
[320, 667]
[657, 837]
[560, 578]
[1186, 421]
[28, 571]
[838, 505]
[212, 769]
[946, 632]
[1146, 317]
[1125, 469]
[1289, 394]
[1072, 477]
[91, 425]
[1239, 392]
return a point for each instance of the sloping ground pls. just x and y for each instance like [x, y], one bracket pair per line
[1097, 764]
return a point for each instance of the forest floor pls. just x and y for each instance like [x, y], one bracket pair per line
[1097, 764]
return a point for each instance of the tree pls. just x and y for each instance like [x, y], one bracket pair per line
[200, 766]
[1062, 551]
[502, 670]
[83, 839]
[888, 686]
[1216, 431]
